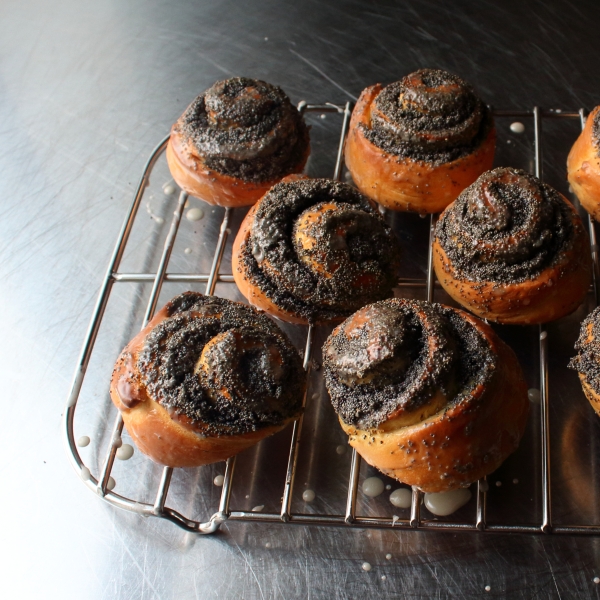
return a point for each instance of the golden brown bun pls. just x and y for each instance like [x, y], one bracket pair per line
[193, 176]
[338, 285]
[405, 184]
[444, 444]
[169, 436]
[188, 163]
[525, 303]
[554, 292]
[255, 296]
[583, 168]
[590, 394]
[587, 360]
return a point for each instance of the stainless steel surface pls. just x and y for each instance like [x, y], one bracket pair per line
[87, 88]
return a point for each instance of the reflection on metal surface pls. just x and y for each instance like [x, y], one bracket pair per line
[348, 508]
[579, 476]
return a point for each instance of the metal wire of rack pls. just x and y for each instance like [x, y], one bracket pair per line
[158, 508]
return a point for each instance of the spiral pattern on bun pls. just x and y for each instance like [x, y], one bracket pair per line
[415, 144]
[430, 115]
[314, 250]
[506, 227]
[236, 140]
[428, 394]
[206, 372]
[519, 237]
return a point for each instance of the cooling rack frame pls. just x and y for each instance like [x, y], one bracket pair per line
[100, 484]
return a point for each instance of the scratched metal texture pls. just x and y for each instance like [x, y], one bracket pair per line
[86, 90]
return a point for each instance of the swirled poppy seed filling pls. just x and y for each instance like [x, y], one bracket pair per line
[380, 360]
[245, 354]
[587, 361]
[507, 227]
[430, 116]
[247, 129]
[596, 131]
[318, 249]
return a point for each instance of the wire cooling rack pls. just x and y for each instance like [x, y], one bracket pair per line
[100, 482]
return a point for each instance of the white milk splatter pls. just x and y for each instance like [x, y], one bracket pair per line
[194, 214]
[125, 452]
[402, 498]
[372, 486]
[445, 503]
[308, 495]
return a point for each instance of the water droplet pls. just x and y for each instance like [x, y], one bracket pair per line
[596, 580]
[372, 486]
[83, 441]
[534, 395]
[258, 508]
[366, 566]
[188, 250]
[388, 556]
[383, 577]
[218, 480]
[517, 127]
[340, 449]
[308, 495]
[125, 452]
[268, 545]
[111, 484]
[487, 588]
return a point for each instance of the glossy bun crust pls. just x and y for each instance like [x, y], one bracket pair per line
[235, 141]
[314, 251]
[206, 379]
[583, 165]
[416, 144]
[587, 361]
[512, 249]
[426, 393]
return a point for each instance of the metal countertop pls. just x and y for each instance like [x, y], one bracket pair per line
[87, 89]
